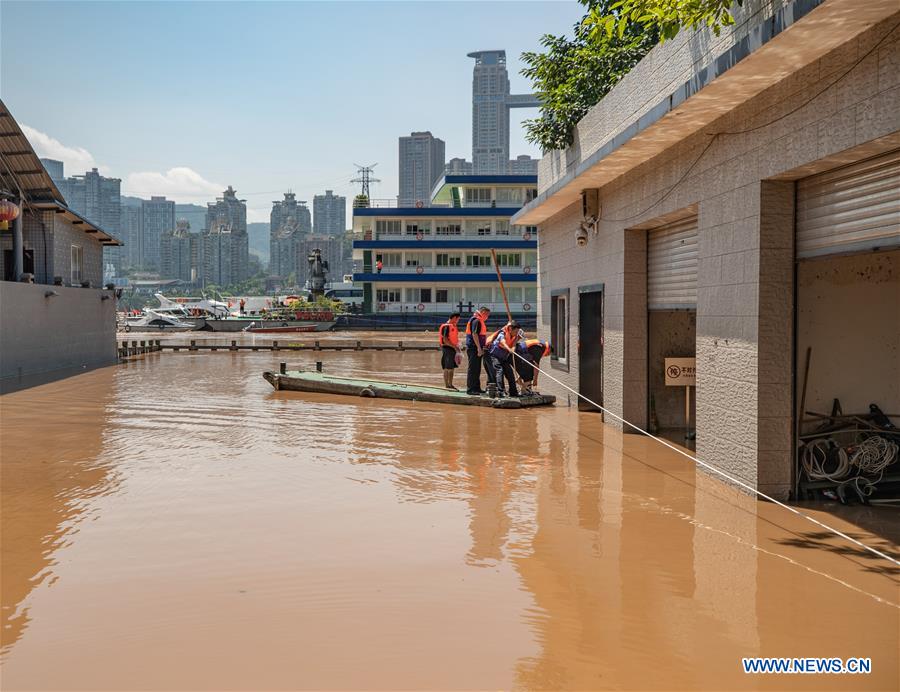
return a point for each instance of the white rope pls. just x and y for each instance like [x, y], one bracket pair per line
[815, 455]
[712, 468]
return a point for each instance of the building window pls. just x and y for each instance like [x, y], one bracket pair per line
[478, 260]
[387, 227]
[418, 295]
[479, 296]
[502, 227]
[388, 295]
[390, 259]
[507, 195]
[448, 259]
[529, 295]
[418, 259]
[77, 264]
[482, 227]
[446, 228]
[478, 195]
[514, 294]
[509, 259]
[416, 228]
[448, 295]
[559, 325]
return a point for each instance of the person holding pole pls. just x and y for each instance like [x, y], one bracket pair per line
[501, 355]
[476, 334]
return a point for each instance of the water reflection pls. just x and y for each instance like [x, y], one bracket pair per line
[50, 471]
[259, 539]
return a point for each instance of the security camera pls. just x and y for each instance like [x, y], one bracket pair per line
[581, 236]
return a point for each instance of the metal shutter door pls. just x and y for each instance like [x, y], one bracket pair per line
[672, 266]
[849, 209]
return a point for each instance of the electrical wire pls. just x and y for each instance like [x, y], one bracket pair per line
[715, 470]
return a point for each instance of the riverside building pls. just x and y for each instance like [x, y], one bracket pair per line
[735, 201]
[436, 258]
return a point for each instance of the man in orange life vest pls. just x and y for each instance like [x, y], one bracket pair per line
[501, 355]
[476, 333]
[448, 338]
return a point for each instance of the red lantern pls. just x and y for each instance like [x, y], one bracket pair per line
[8, 212]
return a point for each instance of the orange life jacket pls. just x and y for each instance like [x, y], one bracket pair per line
[481, 318]
[510, 336]
[452, 332]
[490, 339]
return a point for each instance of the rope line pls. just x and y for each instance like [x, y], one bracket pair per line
[715, 470]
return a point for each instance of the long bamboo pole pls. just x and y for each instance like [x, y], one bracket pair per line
[502, 287]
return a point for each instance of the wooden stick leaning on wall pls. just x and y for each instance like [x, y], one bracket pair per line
[502, 287]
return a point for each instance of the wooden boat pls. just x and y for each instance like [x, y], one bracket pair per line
[301, 381]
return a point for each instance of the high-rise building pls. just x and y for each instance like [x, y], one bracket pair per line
[130, 233]
[329, 214]
[491, 102]
[290, 217]
[54, 169]
[226, 255]
[227, 210]
[422, 159]
[523, 165]
[226, 245]
[97, 198]
[175, 252]
[457, 166]
[157, 217]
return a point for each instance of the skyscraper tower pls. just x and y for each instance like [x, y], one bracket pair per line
[422, 158]
[491, 102]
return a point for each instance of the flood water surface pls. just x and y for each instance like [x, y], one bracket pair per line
[175, 523]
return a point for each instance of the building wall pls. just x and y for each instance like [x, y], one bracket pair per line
[30, 343]
[832, 112]
[329, 214]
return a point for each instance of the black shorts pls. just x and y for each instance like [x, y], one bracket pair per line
[448, 358]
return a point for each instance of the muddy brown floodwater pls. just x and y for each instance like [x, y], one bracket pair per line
[174, 523]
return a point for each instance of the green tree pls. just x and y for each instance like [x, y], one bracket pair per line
[573, 74]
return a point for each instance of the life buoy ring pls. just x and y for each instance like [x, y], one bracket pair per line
[526, 235]
[419, 235]
[127, 327]
[420, 307]
[526, 269]
[420, 270]
[381, 306]
[526, 307]
[419, 204]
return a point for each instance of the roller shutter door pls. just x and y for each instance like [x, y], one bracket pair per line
[850, 209]
[672, 266]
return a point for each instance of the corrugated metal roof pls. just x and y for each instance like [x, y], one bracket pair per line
[20, 167]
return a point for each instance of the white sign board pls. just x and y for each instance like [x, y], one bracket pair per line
[681, 372]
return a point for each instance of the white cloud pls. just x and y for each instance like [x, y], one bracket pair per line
[182, 184]
[77, 160]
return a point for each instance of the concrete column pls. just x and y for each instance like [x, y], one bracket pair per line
[18, 246]
[634, 357]
[745, 334]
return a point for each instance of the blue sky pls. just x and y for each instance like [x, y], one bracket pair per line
[188, 97]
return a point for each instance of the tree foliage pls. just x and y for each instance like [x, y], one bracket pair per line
[573, 74]
[667, 17]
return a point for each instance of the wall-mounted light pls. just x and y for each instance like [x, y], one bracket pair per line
[50, 294]
[105, 296]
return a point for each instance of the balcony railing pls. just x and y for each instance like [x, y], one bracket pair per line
[394, 203]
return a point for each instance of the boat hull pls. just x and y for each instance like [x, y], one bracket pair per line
[298, 381]
[239, 325]
[282, 330]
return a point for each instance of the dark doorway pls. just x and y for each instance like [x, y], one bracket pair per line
[590, 346]
[8, 265]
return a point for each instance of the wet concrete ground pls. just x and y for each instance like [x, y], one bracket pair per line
[174, 523]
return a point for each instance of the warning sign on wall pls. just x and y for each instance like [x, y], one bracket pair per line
[681, 372]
